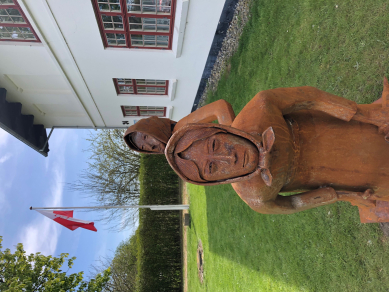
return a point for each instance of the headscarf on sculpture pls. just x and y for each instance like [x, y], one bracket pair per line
[297, 139]
[150, 135]
[159, 129]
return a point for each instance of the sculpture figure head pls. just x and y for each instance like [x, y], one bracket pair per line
[209, 154]
[149, 135]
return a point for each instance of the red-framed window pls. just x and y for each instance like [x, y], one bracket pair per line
[141, 86]
[143, 111]
[14, 25]
[144, 24]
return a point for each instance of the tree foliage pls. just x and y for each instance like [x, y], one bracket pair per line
[111, 177]
[158, 240]
[151, 259]
[123, 267]
[36, 272]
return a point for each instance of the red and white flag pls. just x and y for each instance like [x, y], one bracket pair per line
[66, 219]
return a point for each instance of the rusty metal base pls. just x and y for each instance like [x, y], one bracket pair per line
[377, 214]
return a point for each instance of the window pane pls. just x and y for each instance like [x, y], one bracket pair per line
[149, 20]
[161, 28]
[108, 25]
[106, 18]
[133, 6]
[136, 37]
[104, 7]
[117, 18]
[126, 89]
[149, 28]
[30, 36]
[148, 9]
[5, 35]
[163, 38]
[116, 39]
[18, 19]
[135, 27]
[5, 19]
[163, 21]
[164, 10]
[135, 20]
[12, 11]
[149, 37]
[148, 2]
[115, 7]
[150, 89]
[140, 81]
[149, 43]
[7, 2]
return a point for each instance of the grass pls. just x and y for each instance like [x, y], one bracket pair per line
[323, 249]
[338, 46]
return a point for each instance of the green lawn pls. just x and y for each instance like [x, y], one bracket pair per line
[342, 50]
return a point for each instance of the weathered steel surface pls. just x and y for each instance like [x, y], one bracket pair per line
[379, 213]
[325, 147]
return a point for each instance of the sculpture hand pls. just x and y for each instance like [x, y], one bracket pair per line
[359, 199]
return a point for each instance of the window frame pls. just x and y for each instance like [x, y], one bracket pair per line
[135, 87]
[17, 6]
[138, 110]
[127, 32]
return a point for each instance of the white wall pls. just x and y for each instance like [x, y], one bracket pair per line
[73, 52]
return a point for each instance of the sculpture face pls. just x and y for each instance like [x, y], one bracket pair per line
[147, 143]
[222, 156]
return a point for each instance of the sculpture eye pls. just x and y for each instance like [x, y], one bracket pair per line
[153, 147]
[210, 167]
[144, 137]
[213, 144]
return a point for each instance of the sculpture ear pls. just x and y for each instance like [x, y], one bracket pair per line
[268, 138]
[266, 176]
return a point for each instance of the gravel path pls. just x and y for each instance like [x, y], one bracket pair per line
[229, 47]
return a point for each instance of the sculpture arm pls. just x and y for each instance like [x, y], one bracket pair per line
[312, 199]
[289, 100]
[219, 110]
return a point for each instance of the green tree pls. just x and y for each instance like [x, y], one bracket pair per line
[123, 267]
[111, 177]
[36, 272]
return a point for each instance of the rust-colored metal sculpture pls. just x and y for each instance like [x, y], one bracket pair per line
[298, 139]
[151, 135]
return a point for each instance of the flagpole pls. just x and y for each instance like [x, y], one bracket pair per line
[152, 207]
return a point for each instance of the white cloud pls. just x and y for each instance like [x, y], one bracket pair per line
[5, 157]
[42, 234]
[4, 137]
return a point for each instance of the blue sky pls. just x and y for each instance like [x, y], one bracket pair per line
[30, 179]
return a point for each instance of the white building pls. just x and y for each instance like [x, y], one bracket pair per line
[100, 63]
